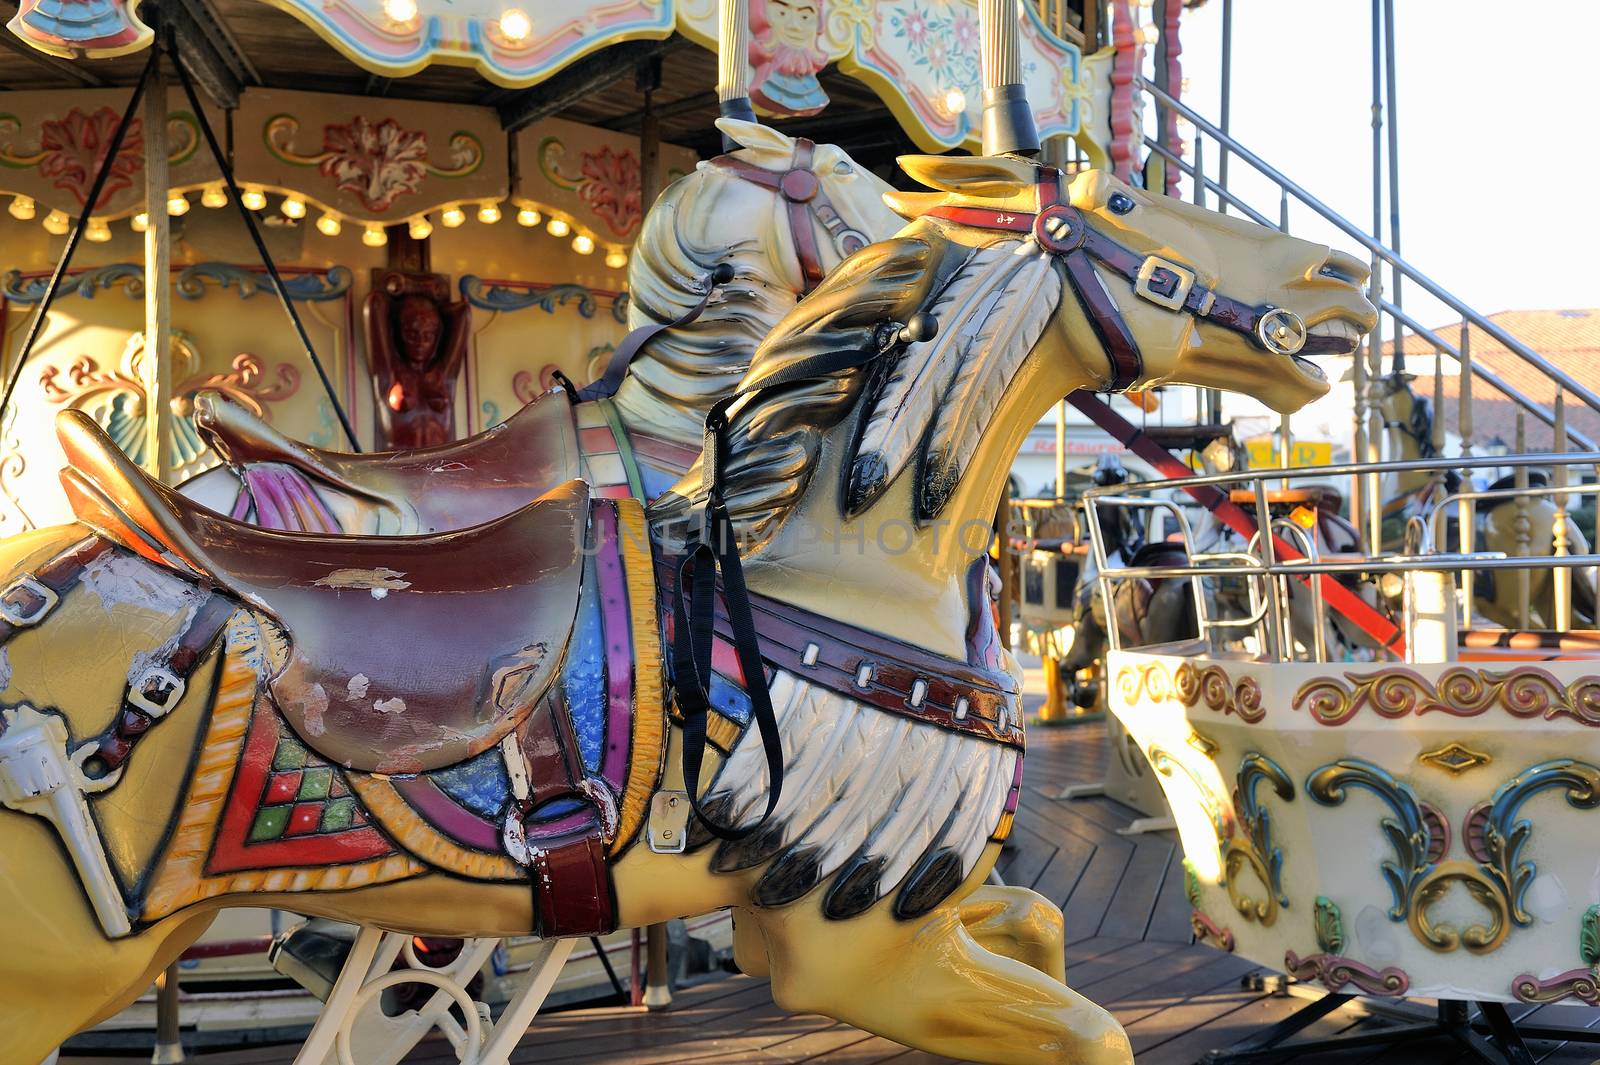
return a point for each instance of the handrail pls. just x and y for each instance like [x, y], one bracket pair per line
[1354, 232]
[1489, 377]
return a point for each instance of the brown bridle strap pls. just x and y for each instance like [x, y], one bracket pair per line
[1062, 230]
[804, 198]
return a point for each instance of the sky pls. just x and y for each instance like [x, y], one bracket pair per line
[1498, 160]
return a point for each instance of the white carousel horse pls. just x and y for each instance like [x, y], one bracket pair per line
[902, 774]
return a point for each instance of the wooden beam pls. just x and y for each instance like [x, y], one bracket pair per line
[584, 78]
[697, 102]
[200, 57]
[55, 64]
[227, 46]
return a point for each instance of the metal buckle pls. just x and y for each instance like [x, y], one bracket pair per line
[19, 618]
[171, 684]
[1163, 282]
[1281, 331]
[667, 831]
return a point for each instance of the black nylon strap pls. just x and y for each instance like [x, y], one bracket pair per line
[634, 342]
[717, 550]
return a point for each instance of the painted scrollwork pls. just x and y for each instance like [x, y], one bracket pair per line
[377, 162]
[1163, 762]
[1582, 984]
[1257, 850]
[1330, 968]
[491, 297]
[1506, 835]
[1407, 831]
[116, 398]
[1191, 687]
[1200, 923]
[86, 283]
[191, 282]
[1527, 692]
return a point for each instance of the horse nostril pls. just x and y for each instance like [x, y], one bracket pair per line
[1346, 268]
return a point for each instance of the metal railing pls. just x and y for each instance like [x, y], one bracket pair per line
[1274, 581]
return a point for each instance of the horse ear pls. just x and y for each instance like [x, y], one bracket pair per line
[757, 136]
[971, 175]
[912, 205]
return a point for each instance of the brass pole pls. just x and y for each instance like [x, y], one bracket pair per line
[157, 366]
[169, 1038]
[658, 982]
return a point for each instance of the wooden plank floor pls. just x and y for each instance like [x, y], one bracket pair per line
[1128, 948]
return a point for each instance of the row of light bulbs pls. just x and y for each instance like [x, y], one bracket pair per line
[513, 24]
[57, 222]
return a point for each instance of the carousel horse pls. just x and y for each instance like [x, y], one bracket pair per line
[466, 733]
[780, 212]
[1408, 420]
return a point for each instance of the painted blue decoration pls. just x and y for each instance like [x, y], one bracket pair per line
[490, 297]
[585, 676]
[314, 287]
[86, 283]
[558, 809]
[480, 784]
[729, 700]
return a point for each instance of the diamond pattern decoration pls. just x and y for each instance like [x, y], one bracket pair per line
[1454, 758]
[304, 796]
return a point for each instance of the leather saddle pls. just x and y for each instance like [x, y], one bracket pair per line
[433, 489]
[406, 653]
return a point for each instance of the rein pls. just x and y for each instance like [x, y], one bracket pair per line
[716, 549]
[1062, 230]
[804, 198]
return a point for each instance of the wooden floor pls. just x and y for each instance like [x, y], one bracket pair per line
[1128, 949]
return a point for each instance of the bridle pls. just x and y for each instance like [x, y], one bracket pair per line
[1062, 230]
[805, 199]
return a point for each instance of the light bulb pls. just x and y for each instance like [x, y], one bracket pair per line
[98, 231]
[955, 101]
[616, 258]
[583, 244]
[452, 216]
[140, 222]
[400, 10]
[1151, 34]
[253, 198]
[558, 227]
[178, 204]
[292, 207]
[515, 25]
[328, 226]
[489, 213]
[529, 217]
[214, 196]
[420, 228]
[374, 237]
[23, 208]
[56, 223]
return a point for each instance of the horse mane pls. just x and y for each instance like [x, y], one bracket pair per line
[929, 404]
[688, 369]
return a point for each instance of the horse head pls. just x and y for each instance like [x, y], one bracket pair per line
[782, 212]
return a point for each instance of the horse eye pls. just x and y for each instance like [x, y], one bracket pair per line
[1120, 203]
[842, 169]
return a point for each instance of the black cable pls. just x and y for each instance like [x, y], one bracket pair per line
[113, 149]
[606, 961]
[261, 245]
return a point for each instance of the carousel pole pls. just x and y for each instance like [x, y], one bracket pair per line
[113, 149]
[157, 366]
[1008, 127]
[733, 65]
[1374, 435]
[649, 80]
[1560, 534]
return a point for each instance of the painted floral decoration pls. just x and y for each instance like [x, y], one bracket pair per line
[611, 187]
[74, 146]
[378, 162]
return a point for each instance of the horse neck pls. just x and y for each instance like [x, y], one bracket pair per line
[1400, 445]
[703, 220]
[883, 570]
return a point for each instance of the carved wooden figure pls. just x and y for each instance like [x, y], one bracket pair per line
[416, 345]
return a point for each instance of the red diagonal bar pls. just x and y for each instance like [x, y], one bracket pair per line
[1336, 595]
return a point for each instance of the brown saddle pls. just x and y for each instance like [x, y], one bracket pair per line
[405, 653]
[452, 486]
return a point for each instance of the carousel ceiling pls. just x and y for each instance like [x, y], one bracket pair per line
[917, 59]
